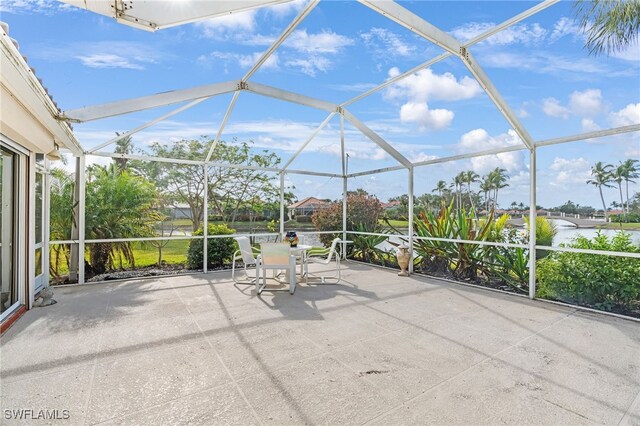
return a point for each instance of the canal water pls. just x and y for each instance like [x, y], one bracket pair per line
[566, 233]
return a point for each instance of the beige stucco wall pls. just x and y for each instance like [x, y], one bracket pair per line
[18, 124]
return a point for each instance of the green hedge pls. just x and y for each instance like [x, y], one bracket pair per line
[219, 250]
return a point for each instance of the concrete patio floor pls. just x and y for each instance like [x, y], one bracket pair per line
[375, 349]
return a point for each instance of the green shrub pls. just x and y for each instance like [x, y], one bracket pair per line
[545, 233]
[219, 250]
[601, 281]
[625, 218]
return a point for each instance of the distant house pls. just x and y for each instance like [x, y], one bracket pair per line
[390, 204]
[307, 207]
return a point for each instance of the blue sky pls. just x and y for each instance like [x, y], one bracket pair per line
[340, 50]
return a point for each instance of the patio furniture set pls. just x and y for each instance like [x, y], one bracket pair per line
[283, 259]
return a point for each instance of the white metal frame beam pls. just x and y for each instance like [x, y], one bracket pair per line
[414, 23]
[112, 109]
[480, 37]
[212, 164]
[232, 104]
[377, 139]
[146, 125]
[483, 79]
[590, 135]
[292, 26]
[308, 141]
[292, 97]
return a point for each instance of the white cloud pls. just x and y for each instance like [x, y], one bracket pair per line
[588, 125]
[417, 89]
[33, 6]
[542, 62]
[284, 9]
[421, 156]
[105, 54]
[552, 107]
[626, 116]
[427, 119]
[565, 27]
[568, 171]
[631, 53]
[228, 26]
[244, 61]
[425, 85]
[519, 33]
[480, 139]
[108, 60]
[586, 103]
[324, 42]
[311, 65]
[386, 44]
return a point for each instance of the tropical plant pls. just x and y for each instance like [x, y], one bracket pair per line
[119, 204]
[365, 247]
[545, 233]
[461, 260]
[601, 177]
[219, 250]
[61, 218]
[611, 26]
[604, 282]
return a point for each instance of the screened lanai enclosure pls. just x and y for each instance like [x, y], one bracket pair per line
[486, 144]
[164, 179]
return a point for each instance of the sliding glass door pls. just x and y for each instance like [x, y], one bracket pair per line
[8, 235]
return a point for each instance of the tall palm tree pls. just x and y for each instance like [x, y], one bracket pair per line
[618, 176]
[601, 177]
[631, 171]
[485, 187]
[123, 146]
[610, 25]
[470, 177]
[441, 187]
[498, 178]
[458, 181]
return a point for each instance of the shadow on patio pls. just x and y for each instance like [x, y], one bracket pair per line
[375, 348]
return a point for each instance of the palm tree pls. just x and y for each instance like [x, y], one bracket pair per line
[610, 25]
[470, 177]
[618, 176]
[123, 146]
[630, 171]
[601, 177]
[458, 181]
[485, 187]
[498, 179]
[441, 187]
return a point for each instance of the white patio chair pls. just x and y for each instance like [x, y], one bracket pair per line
[245, 253]
[332, 256]
[275, 256]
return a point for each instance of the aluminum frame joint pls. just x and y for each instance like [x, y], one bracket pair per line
[243, 85]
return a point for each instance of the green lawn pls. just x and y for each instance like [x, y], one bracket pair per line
[145, 254]
[396, 223]
[624, 226]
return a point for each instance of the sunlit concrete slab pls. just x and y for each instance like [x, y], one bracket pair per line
[375, 348]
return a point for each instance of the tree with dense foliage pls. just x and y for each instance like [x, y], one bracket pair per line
[363, 212]
[230, 190]
[119, 204]
[601, 178]
[610, 25]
